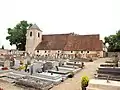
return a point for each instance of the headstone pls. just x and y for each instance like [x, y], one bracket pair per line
[47, 65]
[39, 70]
[57, 68]
[7, 63]
[17, 63]
[31, 70]
[37, 67]
[119, 64]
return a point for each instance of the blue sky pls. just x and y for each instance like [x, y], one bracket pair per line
[61, 16]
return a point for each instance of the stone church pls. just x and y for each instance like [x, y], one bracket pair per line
[63, 45]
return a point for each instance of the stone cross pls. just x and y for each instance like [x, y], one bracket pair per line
[108, 79]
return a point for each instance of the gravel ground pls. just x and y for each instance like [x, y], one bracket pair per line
[8, 86]
[69, 84]
[75, 83]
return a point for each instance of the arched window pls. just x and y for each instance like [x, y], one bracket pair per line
[30, 33]
[38, 34]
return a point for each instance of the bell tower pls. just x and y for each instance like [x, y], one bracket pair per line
[33, 38]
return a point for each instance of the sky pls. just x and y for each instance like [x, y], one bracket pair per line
[61, 16]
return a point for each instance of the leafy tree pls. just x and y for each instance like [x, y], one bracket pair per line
[113, 41]
[17, 35]
[2, 47]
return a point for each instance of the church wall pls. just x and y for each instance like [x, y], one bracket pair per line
[82, 54]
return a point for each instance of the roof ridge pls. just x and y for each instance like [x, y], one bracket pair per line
[56, 34]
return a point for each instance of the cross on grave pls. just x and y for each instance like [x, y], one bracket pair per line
[108, 79]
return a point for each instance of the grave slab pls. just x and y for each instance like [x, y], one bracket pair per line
[103, 85]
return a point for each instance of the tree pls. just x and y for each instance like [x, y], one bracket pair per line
[17, 35]
[113, 41]
[2, 47]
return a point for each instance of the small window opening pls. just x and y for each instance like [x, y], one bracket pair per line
[45, 51]
[37, 51]
[87, 51]
[30, 33]
[38, 34]
[71, 51]
[81, 51]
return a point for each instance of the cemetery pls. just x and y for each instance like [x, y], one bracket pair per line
[107, 77]
[109, 70]
[39, 74]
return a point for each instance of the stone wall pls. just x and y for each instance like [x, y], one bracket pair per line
[111, 54]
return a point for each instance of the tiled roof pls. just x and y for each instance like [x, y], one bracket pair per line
[53, 42]
[70, 42]
[34, 26]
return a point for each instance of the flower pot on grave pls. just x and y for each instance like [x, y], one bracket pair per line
[83, 88]
[84, 82]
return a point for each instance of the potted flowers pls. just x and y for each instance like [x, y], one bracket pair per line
[84, 82]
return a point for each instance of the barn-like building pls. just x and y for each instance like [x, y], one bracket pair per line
[63, 45]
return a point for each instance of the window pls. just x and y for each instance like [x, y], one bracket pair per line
[58, 51]
[30, 33]
[81, 51]
[87, 51]
[71, 51]
[45, 51]
[38, 34]
[37, 51]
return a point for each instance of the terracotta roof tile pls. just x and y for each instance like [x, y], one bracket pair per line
[70, 42]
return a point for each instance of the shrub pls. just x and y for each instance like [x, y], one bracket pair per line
[21, 68]
[84, 81]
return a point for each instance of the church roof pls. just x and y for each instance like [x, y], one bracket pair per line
[34, 26]
[70, 42]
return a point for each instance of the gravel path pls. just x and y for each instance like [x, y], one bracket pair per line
[75, 83]
[8, 86]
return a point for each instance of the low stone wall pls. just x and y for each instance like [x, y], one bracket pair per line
[111, 54]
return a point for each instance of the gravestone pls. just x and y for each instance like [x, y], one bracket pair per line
[47, 65]
[37, 67]
[61, 63]
[119, 64]
[7, 63]
[57, 68]
[31, 70]
[17, 63]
